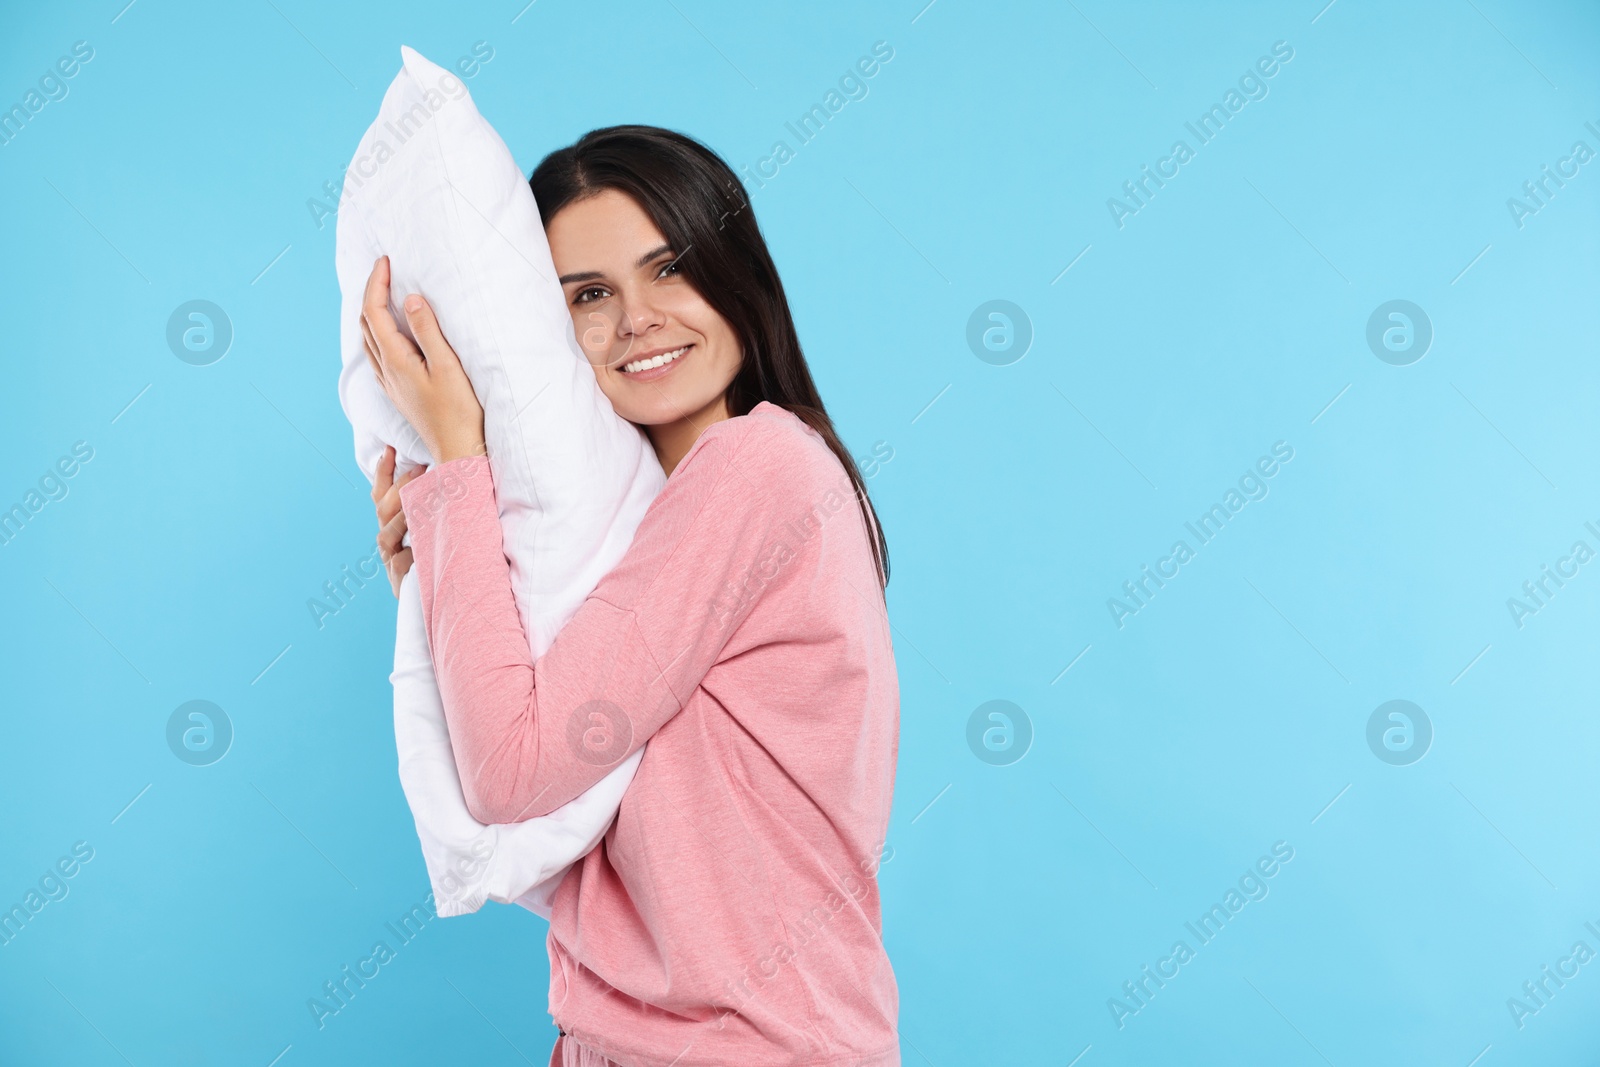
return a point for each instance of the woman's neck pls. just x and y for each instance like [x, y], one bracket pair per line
[672, 440]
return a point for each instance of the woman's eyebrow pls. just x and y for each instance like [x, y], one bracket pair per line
[590, 275]
[652, 254]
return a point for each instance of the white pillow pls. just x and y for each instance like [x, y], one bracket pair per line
[432, 186]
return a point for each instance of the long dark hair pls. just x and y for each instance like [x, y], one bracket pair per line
[700, 206]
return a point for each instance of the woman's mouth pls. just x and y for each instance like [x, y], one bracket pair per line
[653, 367]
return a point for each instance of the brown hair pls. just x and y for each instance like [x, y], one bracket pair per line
[699, 205]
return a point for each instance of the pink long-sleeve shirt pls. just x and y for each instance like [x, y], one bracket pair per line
[730, 916]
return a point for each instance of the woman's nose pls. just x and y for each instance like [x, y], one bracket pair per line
[638, 315]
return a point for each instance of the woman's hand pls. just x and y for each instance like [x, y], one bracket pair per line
[430, 388]
[392, 519]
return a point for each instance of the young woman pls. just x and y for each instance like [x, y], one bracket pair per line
[731, 915]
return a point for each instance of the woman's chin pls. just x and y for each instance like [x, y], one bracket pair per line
[661, 405]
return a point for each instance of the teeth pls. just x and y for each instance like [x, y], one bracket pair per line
[658, 361]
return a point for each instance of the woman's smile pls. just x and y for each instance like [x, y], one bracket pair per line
[654, 364]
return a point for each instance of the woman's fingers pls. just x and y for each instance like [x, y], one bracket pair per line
[371, 347]
[376, 295]
[389, 504]
[388, 507]
[397, 565]
[392, 525]
[425, 328]
[386, 516]
[374, 300]
[390, 535]
[392, 345]
[385, 479]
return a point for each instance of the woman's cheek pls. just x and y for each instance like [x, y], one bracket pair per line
[594, 332]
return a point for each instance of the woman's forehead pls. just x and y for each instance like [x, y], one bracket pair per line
[607, 231]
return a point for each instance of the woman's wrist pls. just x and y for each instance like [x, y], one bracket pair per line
[461, 448]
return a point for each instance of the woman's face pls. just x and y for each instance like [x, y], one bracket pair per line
[659, 351]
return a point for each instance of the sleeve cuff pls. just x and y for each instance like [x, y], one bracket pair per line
[461, 485]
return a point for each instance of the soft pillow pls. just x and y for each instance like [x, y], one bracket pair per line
[432, 186]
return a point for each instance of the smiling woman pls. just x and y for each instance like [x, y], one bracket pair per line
[743, 635]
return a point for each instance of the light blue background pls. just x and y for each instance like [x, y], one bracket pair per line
[1223, 317]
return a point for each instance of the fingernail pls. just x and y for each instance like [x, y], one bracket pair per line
[413, 303]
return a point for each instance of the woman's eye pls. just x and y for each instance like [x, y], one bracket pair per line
[583, 294]
[672, 266]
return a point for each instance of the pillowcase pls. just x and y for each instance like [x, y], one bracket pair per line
[432, 186]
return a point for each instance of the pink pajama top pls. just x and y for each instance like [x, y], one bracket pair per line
[730, 916]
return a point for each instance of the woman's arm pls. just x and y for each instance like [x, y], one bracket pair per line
[528, 737]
